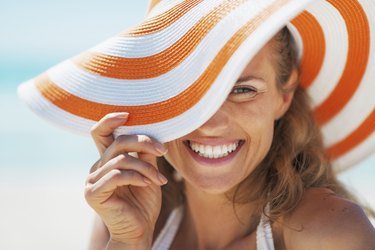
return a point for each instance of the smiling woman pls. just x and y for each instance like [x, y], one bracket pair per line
[245, 120]
[206, 133]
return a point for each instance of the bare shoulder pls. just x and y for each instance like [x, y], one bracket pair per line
[323, 220]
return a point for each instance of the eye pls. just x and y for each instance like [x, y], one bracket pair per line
[244, 90]
[242, 93]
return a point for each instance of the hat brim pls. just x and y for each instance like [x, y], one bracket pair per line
[174, 71]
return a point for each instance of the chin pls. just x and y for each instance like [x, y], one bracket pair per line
[214, 185]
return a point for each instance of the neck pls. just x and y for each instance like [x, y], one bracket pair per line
[213, 222]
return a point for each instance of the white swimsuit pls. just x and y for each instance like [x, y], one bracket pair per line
[166, 236]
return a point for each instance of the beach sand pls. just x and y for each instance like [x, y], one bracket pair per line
[42, 176]
[44, 213]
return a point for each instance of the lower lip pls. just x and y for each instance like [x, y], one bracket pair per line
[214, 161]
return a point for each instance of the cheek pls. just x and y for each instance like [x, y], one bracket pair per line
[254, 116]
[257, 122]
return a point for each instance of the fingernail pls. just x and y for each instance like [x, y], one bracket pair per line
[160, 148]
[121, 115]
[162, 179]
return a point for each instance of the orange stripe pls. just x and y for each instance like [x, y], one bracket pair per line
[163, 20]
[314, 47]
[354, 139]
[358, 54]
[156, 112]
[139, 68]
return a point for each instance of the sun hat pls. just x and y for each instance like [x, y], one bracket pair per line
[174, 70]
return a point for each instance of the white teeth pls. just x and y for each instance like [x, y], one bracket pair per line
[201, 148]
[224, 148]
[209, 151]
[217, 151]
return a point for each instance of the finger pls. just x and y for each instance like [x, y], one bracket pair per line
[133, 143]
[152, 160]
[102, 131]
[127, 162]
[106, 186]
[95, 166]
[149, 158]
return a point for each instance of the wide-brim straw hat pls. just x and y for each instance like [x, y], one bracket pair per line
[174, 70]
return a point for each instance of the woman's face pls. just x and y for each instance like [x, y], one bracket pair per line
[227, 148]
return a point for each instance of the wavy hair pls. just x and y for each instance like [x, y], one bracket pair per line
[296, 160]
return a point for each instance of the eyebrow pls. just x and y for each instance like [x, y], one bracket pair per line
[248, 78]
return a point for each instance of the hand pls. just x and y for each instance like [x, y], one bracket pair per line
[125, 190]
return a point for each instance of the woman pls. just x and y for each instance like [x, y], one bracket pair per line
[256, 164]
[203, 149]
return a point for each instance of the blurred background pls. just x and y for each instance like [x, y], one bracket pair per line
[42, 168]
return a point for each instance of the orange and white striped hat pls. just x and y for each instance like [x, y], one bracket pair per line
[174, 70]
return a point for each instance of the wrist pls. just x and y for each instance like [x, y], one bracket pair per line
[118, 245]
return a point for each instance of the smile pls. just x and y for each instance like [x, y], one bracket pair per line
[209, 151]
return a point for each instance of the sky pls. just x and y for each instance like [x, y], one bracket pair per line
[45, 30]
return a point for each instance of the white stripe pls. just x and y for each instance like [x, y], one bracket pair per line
[362, 103]
[151, 44]
[336, 36]
[45, 109]
[351, 116]
[124, 92]
[356, 155]
[162, 7]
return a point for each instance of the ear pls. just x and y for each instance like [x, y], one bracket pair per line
[287, 94]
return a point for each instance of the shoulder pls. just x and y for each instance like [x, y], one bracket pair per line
[323, 220]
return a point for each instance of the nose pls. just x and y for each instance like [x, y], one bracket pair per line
[217, 124]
